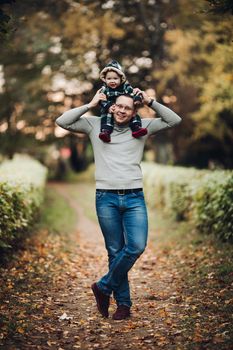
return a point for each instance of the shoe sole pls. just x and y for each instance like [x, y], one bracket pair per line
[121, 319]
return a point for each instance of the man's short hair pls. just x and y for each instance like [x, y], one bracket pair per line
[126, 95]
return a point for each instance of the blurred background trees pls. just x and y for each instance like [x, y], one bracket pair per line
[52, 52]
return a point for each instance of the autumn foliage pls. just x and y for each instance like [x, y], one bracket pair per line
[53, 52]
[204, 197]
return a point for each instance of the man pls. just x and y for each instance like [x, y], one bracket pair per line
[120, 204]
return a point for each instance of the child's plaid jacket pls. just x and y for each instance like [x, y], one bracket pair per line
[111, 94]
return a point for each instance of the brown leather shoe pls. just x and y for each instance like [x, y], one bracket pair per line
[121, 313]
[102, 300]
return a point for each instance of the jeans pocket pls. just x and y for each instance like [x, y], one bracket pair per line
[99, 194]
[139, 194]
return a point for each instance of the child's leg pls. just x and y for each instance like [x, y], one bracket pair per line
[135, 123]
[136, 127]
[106, 127]
[107, 122]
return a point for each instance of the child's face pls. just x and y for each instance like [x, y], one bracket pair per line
[112, 79]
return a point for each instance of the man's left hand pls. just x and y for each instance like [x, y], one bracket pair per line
[145, 98]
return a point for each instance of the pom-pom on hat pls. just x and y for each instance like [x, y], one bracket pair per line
[113, 66]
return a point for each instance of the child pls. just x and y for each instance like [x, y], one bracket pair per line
[115, 85]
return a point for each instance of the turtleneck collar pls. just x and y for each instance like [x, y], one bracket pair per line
[120, 127]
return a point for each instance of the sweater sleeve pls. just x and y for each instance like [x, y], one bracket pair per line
[167, 118]
[72, 120]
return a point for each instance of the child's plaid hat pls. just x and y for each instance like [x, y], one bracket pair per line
[113, 66]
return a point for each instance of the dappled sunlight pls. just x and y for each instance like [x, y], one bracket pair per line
[57, 55]
[177, 57]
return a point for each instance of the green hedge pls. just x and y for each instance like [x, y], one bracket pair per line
[22, 182]
[203, 196]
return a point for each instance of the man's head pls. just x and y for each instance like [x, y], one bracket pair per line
[124, 109]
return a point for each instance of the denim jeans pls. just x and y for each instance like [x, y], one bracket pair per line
[124, 224]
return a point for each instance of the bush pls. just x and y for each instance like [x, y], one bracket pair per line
[22, 182]
[213, 205]
[203, 196]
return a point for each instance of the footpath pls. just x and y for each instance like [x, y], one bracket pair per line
[47, 303]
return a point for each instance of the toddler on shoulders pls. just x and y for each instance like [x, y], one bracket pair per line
[115, 84]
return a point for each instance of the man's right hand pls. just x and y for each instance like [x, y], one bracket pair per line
[112, 108]
[99, 96]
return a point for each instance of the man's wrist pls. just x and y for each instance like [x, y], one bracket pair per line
[89, 105]
[149, 104]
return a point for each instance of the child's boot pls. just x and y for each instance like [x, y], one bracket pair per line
[139, 132]
[104, 135]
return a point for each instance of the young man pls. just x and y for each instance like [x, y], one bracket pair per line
[120, 203]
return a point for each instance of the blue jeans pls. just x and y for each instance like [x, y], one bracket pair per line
[124, 224]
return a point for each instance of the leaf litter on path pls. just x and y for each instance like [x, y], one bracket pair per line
[47, 303]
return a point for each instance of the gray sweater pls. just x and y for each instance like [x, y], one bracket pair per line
[118, 162]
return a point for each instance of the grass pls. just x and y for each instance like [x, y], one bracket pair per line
[83, 176]
[84, 195]
[56, 214]
[171, 235]
[54, 228]
[167, 232]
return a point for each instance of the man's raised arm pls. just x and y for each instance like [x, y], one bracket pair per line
[71, 120]
[167, 118]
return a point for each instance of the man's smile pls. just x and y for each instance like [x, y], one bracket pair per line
[120, 115]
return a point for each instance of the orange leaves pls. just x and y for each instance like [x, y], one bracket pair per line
[20, 330]
[178, 300]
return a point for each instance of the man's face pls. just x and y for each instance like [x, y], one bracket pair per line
[124, 110]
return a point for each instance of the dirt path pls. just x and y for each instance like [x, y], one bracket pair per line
[88, 230]
[155, 293]
[48, 303]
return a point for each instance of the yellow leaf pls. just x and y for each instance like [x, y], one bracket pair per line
[162, 313]
[20, 330]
